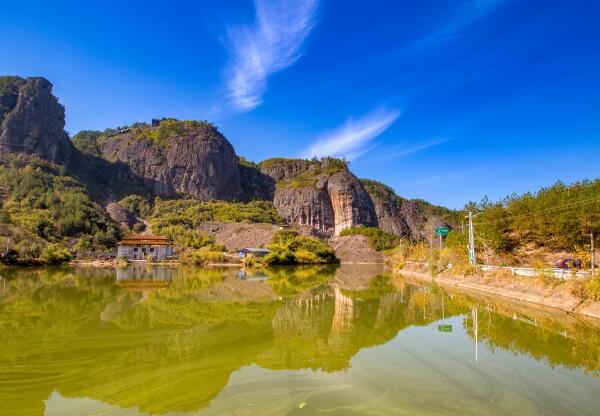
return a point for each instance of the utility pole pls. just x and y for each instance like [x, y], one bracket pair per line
[472, 258]
[593, 253]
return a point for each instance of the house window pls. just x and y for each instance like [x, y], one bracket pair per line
[135, 249]
[151, 249]
[143, 249]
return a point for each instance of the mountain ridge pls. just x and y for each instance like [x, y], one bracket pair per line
[191, 159]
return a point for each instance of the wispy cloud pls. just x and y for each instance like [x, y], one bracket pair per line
[272, 43]
[447, 178]
[406, 149]
[355, 136]
[463, 16]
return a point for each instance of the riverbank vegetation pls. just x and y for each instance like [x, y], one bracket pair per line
[453, 262]
[289, 247]
[209, 254]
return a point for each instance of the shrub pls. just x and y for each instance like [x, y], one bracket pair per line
[378, 239]
[186, 238]
[592, 288]
[167, 129]
[138, 205]
[201, 257]
[87, 142]
[288, 247]
[190, 213]
[55, 253]
[309, 171]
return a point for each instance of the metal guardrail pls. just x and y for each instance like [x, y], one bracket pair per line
[563, 274]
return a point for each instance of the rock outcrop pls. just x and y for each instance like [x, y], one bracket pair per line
[413, 217]
[32, 120]
[121, 215]
[256, 184]
[306, 206]
[179, 157]
[389, 209]
[351, 204]
[323, 195]
[284, 169]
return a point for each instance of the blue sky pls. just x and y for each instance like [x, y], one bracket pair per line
[447, 100]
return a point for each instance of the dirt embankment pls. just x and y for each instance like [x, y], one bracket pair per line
[240, 235]
[356, 249]
[565, 295]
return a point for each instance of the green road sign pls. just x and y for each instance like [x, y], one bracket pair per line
[442, 230]
[445, 328]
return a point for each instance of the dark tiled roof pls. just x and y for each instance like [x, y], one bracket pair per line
[141, 239]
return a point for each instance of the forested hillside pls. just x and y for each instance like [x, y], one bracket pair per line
[559, 217]
[44, 211]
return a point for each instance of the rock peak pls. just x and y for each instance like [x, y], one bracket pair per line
[32, 120]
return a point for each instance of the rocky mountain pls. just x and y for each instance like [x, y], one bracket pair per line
[32, 120]
[179, 158]
[173, 158]
[395, 215]
[323, 195]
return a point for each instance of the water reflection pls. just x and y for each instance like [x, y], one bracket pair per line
[145, 274]
[171, 340]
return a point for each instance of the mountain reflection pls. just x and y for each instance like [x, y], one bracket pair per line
[168, 340]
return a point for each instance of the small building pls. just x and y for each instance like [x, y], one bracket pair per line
[254, 252]
[142, 247]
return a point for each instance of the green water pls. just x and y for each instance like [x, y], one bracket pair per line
[304, 341]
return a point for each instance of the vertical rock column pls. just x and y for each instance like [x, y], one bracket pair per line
[351, 204]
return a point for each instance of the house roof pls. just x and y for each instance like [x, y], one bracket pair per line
[145, 240]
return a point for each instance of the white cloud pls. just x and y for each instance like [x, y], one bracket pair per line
[465, 15]
[272, 43]
[354, 137]
[408, 149]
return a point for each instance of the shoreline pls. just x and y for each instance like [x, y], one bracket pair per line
[518, 291]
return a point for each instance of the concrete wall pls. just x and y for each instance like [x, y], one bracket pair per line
[144, 252]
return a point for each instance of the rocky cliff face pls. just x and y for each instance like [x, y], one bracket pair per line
[284, 169]
[410, 213]
[121, 215]
[306, 206]
[323, 195]
[31, 119]
[256, 184]
[190, 158]
[391, 217]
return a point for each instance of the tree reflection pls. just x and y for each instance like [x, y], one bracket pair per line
[174, 348]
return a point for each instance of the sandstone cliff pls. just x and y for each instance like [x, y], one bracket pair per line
[323, 195]
[177, 157]
[32, 120]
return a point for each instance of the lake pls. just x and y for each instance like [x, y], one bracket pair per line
[343, 340]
